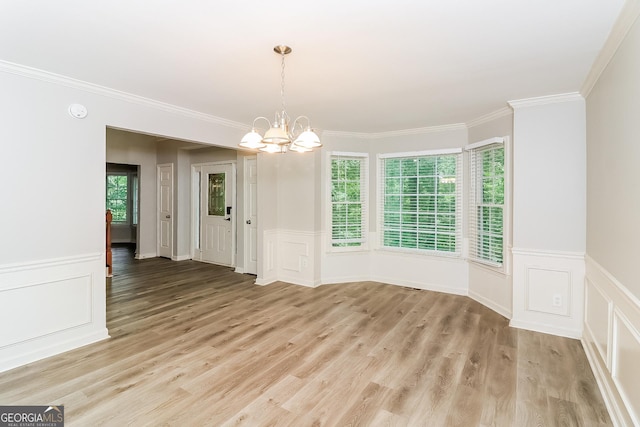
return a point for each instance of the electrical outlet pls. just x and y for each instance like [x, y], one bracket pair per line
[557, 300]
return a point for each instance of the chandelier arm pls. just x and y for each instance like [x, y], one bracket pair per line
[258, 118]
[302, 117]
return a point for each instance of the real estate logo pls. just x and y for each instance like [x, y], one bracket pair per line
[31, 416]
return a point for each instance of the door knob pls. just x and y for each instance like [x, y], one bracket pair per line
[248, 221]
[168, 216]
[227, 219]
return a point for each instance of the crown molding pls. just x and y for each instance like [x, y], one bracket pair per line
[46, 76]
[626, 19]
[545, 100]
[503, 112]
[394, 133]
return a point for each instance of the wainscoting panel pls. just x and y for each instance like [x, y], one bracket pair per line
[297, 255]
[290, 257]
[269, 273]
[612, 342]
[548, 292]
[598, 320]
[49, 307]
[625, 372]
[44, 300]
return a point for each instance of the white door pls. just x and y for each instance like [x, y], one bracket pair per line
[251, 221]
[217, 194]
[165, 210]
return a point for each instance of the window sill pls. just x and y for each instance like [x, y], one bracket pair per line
[447, 256]
[488, 267]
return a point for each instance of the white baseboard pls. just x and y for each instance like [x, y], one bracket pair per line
[264, 282]
[344, 279]
[239, 270]
[617, 418]
[546, 328]
[420, 285]
[180, 257]
[503, 311]
[147, 255]
[44, 352]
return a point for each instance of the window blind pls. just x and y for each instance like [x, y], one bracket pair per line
[349, 212]
[486, 202]
[420, 202]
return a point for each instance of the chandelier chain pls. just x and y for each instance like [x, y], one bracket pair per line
[282, 84]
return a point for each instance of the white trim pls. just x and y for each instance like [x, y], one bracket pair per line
[264, 282]
[545, 100]
[619, 317]
[545, 253]
[46, 76]
[603, 385]
[180, 257]
[394, 133]
[421, 253]
[347, 154]
[503, 112]
[631, 298]
[623, 308]
[498, 308]
[146, 256]
[546, 328]
[628, 15]
[419, 285]
[48, 263]
[420, 153]
[483, 143]
[54, 349]
[606, 356]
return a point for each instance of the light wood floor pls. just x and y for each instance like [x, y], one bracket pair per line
[196, 345]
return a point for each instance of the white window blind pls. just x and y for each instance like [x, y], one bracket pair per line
[486, 202]
[349, 174]
[420, 201]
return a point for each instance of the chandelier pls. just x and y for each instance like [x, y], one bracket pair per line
[282, 135]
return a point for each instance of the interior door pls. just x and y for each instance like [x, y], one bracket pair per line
[165, 210]
[251, 222]
[217, 214]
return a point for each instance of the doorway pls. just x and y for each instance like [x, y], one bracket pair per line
[214, 216]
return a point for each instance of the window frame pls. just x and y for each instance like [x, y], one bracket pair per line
[132, 200]
[475, 191]
[127, 200]
[381, 191]
[364, 194]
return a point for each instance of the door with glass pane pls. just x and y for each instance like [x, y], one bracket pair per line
[216, 214]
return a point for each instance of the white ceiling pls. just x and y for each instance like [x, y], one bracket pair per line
[358, 66]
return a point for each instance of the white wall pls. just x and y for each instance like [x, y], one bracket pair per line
[549, 201]
[52, 273]
[612, 318]
[487, 285]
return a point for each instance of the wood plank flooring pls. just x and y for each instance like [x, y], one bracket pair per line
[197, 344]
